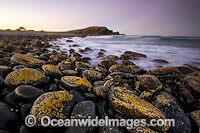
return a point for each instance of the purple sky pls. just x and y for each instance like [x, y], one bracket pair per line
[137, 17]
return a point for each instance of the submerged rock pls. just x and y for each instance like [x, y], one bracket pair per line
[26, 76]
[160, 61]
[26, 60]
[4, 70]
[126, 102]
[77, 83]
[56, 105]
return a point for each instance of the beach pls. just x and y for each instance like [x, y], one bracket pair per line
[98, 72]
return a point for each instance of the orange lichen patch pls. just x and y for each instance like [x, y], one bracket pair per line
[75, 82]
[123, 68]
[128, 103]
[26, 60]
[51, 104]
[26, 76]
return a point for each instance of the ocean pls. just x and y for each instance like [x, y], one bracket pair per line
[177, 50]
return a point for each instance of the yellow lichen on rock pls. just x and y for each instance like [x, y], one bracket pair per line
[55, 104]
[127, 69]
[128, 103]
[27, 60]
[51, 70]
[26, 76]
[77, 83]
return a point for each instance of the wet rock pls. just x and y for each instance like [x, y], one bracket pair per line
[69, 40]
[100, 54]
[121, 75]
[58, 58]
[185, 69]
[3, 92]
[82, 110]
[4, 70]
[27, 93]
[149, 82]
[101, 91]
[77, 95]
[1, 81]
[106, 63]
[160, 61]
[193, 82]
[112, 57]
[56, 105]
[11, 99]
[126, 69]
[65, 65]
[195, 116]
[141, 129]
[110, 130]
[51, 71]
[25, 109]
[70, 73]
[75, 56]
[26, 60]
[80, 64]
[18, 67]
[165, 72]
[187, 96]
[5, 62]
[26, 76]
[8, 117]
[167, 103]
[53, 87]
[126, 102]
[76, 83]
[133, 55]
[89, 95]
[92, 75]
[98, 83]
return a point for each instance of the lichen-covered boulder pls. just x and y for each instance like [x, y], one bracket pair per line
[56, 105]
[92, 75]
[150, 84]
[112, 57]
[76, 83]
[26, 76]
[126, 102]
[126, 69]
[165, 72]
[27, 60]
[106, 63]
[195, 116]
[167, 103]
[51, 71]
[192, 81]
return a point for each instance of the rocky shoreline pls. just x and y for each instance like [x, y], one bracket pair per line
[64, 85]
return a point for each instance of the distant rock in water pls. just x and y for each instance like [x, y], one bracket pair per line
[93, 31]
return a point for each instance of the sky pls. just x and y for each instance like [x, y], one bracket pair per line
[133, 17]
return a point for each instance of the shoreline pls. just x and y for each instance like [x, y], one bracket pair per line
[65, 85]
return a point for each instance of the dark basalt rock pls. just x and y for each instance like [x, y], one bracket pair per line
[167, 103]
[8, 117]
[82, 110]
[27, 93]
